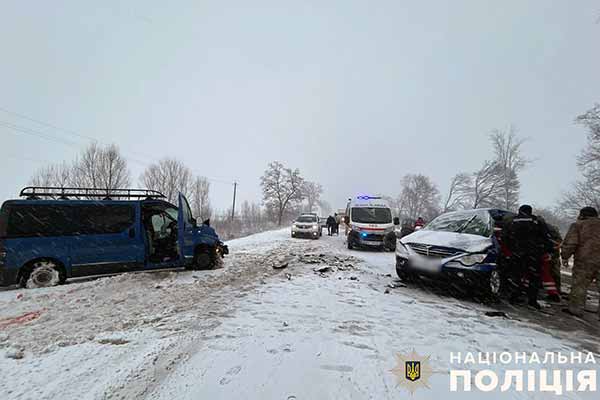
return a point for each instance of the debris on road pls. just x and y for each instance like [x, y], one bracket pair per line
[497, 314]
[21, 319]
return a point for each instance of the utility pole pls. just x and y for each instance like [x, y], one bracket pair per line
[233, 207]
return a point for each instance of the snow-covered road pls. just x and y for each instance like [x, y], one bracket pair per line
[250, 331]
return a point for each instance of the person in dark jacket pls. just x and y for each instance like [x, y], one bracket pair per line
[330, 225]
[526, 237]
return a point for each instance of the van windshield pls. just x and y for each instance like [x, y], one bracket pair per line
[371, 215]
[472, 222]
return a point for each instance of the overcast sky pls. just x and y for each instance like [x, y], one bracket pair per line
[353, 93]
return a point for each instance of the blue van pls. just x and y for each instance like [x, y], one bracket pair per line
[57, 233]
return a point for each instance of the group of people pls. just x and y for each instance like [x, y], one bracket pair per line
[333, 224]
[533, 251]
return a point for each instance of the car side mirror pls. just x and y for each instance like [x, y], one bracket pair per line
[346, 220]
[396, 221]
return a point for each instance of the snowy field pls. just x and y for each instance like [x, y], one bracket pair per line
[254, 332]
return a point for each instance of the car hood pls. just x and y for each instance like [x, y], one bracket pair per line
[461, 241]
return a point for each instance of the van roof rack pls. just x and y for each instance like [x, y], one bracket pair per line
[38, 192]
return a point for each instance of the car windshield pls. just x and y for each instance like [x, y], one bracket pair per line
[371, 215]
[307, 218]
[472, 222]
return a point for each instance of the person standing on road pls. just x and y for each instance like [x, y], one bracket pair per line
[583, 242]
[527, 240]
[338, 220]
[330, 225]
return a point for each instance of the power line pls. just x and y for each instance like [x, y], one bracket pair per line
[71, 143]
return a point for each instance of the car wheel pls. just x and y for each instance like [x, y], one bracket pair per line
[202, 260]
[43, 273]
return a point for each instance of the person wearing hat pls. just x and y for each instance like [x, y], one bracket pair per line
[583, 242]
[526, 238]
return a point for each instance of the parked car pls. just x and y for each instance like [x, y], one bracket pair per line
[462, 246]
[53, 235]
[307, 225]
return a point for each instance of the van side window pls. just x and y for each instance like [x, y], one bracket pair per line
[103, 219]
[39, 220]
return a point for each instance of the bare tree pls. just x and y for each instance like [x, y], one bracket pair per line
[101, 168]
[586, 192]
[419, 197]
[509, 162]
[199, 198]
[169, 176]
[487, 187]
[459, 192]
[56, 175]
[312, 192]
[589, 159]
[282, 187]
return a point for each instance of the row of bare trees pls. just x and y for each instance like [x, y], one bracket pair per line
[105, 168]
[96, 167]
[495, 184]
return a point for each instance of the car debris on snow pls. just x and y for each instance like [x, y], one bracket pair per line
[496, 314]
[280, 266]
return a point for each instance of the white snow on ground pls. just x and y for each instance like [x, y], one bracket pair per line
[249, 331]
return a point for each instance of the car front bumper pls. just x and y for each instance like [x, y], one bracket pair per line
[305, 232]
[449, 269]
[366, 239]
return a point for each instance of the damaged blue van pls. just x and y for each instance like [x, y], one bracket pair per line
[53, 234]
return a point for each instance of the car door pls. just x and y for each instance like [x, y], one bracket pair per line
[109, 239]
[185, 229]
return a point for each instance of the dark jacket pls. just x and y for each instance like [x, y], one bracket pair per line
[526, 234]
[330, 221]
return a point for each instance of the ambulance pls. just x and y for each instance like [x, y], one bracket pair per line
[369, 220]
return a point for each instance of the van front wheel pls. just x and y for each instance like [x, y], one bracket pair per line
[42, 273]
[202, 260]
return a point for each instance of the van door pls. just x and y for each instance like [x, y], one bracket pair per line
[109, 239]
[185, 229]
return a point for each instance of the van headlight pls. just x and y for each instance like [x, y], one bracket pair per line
[315, 226]
[471, 259]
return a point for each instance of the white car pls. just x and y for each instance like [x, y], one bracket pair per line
[307, 225]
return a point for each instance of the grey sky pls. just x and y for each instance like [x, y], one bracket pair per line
[354, 93]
